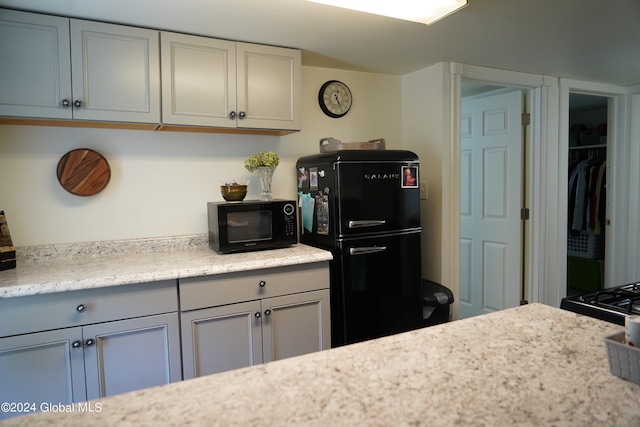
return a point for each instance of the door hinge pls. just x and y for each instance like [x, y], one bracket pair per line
[524, 213]
[526, 119]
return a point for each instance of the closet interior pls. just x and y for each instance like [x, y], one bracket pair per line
[587, 193]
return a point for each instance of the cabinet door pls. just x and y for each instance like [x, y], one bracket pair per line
[221, 338]
[35, 75]
[131, 354]
[198, 80]
[42, 368]
[296, 324]
[116, 72]
[269, 86]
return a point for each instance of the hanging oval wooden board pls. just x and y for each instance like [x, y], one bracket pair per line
[83, 172]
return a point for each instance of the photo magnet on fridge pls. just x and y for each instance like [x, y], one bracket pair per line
[409, 176]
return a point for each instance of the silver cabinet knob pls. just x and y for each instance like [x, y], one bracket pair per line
[65, 103]
[76, 344]
[90, 342]
[232, 115]
[257, 315]
[81, 308]
[242, 115]
[262, 283]
[267, 312]
[77, 103]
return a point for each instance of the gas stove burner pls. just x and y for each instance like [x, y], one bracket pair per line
[611, 304]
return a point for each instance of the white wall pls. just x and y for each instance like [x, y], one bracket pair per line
[161, 181]
[424, 121]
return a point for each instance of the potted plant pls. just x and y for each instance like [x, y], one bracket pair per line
[264, 163]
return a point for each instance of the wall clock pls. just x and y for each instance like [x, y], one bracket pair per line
[335, 98]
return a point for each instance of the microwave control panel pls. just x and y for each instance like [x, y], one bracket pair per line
[289, 212]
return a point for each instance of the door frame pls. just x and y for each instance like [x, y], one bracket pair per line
[546, 178]
[619, 167]
[541, 98]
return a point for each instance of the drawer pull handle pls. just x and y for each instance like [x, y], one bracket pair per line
[262, 283]
[90, 342]
[81, 308]
[257, 315]
[267, 312]
[76, 344]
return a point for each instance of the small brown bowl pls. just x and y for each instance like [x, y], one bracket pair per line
[234, 192]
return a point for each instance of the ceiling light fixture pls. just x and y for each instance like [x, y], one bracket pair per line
[426, 11]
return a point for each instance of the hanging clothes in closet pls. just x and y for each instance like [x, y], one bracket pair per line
[587, 193]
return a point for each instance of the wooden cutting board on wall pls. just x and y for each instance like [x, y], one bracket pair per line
[83, 172]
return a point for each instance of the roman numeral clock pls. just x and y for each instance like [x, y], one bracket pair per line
[335, 99]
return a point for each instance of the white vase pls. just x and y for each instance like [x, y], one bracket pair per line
[266, 174]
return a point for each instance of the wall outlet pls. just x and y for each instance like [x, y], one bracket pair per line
[424, 194]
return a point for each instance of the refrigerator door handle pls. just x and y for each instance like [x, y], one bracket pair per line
[367, 250]
[366, 223]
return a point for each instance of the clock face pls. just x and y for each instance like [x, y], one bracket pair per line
[334, 98]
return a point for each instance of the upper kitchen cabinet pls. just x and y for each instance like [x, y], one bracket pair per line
[116, 72]
[198, 80]
[59, 68]
[35, 75]
[226, 85]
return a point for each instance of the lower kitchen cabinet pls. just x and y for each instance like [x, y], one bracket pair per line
[128, 349]
[41, 367]
[241, 319]
[131, 354]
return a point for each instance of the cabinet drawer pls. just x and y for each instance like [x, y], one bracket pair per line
[211, 291]
[58, 310]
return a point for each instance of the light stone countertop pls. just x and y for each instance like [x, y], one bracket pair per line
[529, 366]
[69, 267]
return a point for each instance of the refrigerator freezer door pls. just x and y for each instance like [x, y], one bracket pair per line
[377, 197]
[381, 286]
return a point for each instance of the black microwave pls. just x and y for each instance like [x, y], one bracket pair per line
[252, 225]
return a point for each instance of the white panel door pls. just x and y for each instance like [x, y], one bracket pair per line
[35, 65]
[491, 199]
[269, 87]
[198, 80]
[116, 72]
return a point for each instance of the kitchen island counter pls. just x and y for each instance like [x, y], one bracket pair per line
[71, 267]
[532, 365]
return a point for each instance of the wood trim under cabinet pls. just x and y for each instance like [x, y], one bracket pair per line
[76, 123]
[204, 129]
[22, 121]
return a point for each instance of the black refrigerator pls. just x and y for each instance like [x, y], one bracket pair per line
[364, 206]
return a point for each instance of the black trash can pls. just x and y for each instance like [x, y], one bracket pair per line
[436, 303]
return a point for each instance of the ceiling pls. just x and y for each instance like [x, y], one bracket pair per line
[595, 40]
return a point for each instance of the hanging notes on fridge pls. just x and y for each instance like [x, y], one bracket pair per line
[307, 202]
[7, 250]
[322, 214]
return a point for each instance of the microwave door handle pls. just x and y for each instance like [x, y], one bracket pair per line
[366, 223]
[367, 250]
